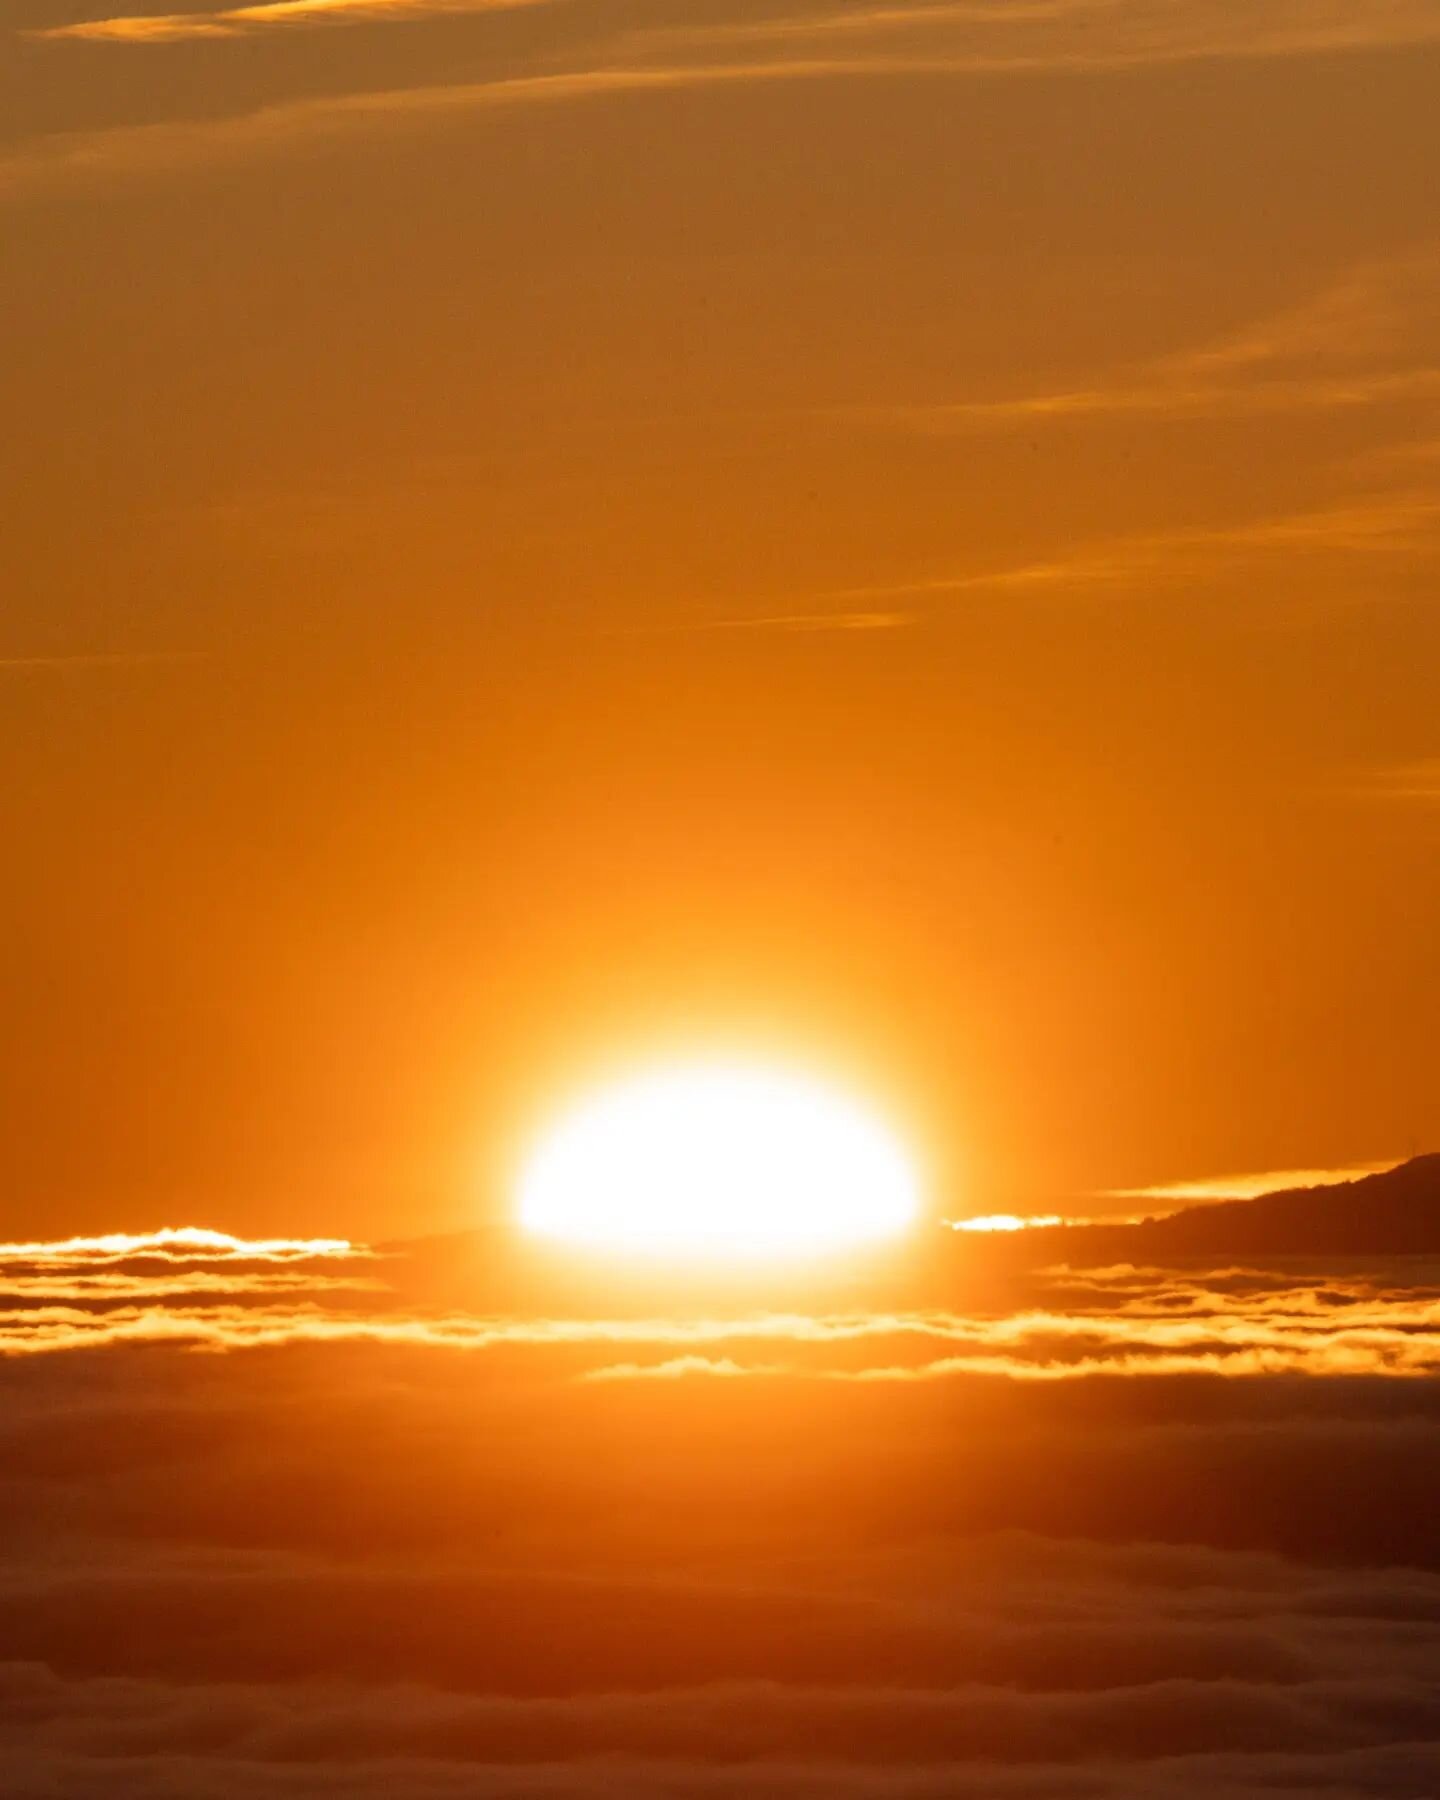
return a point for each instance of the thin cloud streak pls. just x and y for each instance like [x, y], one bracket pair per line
[134, 150]
[1097, 35]
[1373, 309]
[1361, 342]
[157, 147]
[102, 659]
[239, 21]
[679, 1367]
[1386, 523]
[1249, 1186]
[87, 1289]
[864, 21]
[1001, 39]
[1165, 401]
[1418, 781]
[176, 1243]
[802, 623]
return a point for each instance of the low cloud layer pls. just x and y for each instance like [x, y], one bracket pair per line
[199, 1290]
[381, 1546]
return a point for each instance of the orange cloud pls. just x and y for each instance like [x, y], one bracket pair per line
[1133, 1322]
[186, 1243]
[236, 21]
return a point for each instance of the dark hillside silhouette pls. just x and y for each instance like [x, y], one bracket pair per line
[1391, 1214]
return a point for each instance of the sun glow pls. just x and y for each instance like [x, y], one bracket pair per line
[718, 1161]
[1007, 1222]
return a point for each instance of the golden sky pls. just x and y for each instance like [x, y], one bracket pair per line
[900, 536]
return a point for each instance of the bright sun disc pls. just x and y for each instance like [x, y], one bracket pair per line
[717, 1161]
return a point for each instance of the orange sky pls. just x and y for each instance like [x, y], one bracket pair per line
[903, 537]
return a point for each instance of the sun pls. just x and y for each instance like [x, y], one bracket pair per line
[719, 1161]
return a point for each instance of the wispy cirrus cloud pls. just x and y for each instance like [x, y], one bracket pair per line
[1368, 312]
[151, 149]
[1080, 35]
[1414, 782]
[1374, 524]
[1170, 399]
[241, 21]
[100, 659]
[791, 623]
[1010, 36]
[843, 44]
[1365, 341]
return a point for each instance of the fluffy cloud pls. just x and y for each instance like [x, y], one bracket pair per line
[1005, 1665]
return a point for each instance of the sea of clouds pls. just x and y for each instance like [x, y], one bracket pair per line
[275, 1526]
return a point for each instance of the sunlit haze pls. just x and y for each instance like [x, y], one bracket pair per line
[720, 780]
[719, 1161]
[1006, 1222]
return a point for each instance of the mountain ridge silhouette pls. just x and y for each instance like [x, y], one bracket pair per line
[1393, 1213]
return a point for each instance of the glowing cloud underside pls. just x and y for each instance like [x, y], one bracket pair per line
[719, 1162]
[184, 1243]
